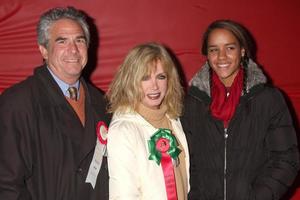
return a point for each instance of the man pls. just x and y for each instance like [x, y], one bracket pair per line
[47, 136]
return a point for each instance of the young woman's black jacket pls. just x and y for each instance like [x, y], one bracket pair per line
[258, 160]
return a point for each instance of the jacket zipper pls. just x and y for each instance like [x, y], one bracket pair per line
[225, 162]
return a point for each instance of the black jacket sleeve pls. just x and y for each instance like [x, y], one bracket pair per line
[283, 164]
[15, 158]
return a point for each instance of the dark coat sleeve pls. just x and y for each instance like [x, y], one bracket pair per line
[15, 160]
[283, 164]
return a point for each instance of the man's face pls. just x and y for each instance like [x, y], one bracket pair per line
[66, 53]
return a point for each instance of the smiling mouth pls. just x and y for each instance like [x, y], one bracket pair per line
[153, 96]
[72, 60]
[223, 65]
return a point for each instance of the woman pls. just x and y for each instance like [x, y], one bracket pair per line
[240, 134]
[147, 149]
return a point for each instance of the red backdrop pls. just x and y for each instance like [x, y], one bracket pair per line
[179, 24]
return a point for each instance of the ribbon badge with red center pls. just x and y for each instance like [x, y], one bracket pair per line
[163, 149]
[100, 151]
[101, 132]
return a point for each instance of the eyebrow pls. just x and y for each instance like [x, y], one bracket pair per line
[232, 43]
[60, 38]
[64, 38]
[81, 37]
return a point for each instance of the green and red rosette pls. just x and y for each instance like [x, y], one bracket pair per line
[163, 148]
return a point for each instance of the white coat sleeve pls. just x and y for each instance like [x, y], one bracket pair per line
[122, 163]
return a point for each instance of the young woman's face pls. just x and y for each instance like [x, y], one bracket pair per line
[224, 55]
[154, 87]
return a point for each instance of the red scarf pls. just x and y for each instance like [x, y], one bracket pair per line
[223, 107]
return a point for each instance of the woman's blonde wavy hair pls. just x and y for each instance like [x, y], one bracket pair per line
[125, 89]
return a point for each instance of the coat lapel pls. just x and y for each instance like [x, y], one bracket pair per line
[83, 138]
[89, 137]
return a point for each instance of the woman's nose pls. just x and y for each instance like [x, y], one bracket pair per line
[154, 83]
[222, 53]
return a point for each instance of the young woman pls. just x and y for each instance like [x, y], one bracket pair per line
[241, 139]
[147, 149]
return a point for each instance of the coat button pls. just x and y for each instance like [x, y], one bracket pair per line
[79, 170]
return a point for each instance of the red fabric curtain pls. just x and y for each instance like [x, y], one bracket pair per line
[179, 24]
